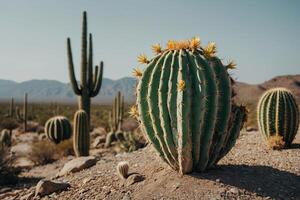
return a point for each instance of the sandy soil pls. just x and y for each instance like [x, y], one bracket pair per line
[249, 171]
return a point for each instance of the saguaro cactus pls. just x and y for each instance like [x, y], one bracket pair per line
[81, 136]
[115, 119]
[278, 117]
[185, 105]
[25, 107]
[90, 81]
[58, 129]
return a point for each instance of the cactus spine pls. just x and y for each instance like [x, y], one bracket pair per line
[90, 81]
[278, 115]
[185, 105]
[81, 136]
[58, 129]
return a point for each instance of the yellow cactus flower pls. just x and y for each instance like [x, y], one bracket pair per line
[181, 85]
[143, 59]
[194, 43]
[156, 48]
[137, 72]
[210, 50]
[133, 112]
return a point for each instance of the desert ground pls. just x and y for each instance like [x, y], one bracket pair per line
[249, 171]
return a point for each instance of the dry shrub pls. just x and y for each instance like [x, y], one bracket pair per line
[65, 148]
[276, 142]
[44, 151]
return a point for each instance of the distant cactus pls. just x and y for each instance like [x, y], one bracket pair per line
[278, 115]
[5, 138]
[58, 129]
[185, 105]
[11, 108]
[25, 112]
[115, 120]
[81, 136]
[90, 81]
[123, 169]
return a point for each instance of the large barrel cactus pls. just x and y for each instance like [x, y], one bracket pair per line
[185, 105]
[81, 136]
[58, 129]
[278, 117]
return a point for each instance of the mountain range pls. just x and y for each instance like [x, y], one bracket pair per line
[55, 91]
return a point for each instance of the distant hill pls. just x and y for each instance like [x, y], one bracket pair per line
[50, 90]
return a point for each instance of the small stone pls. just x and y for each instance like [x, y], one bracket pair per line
[234, 191]
[77, 165]
[218, 180]
[134, 178]
[28, 196]
[99, 140]
[46, 187]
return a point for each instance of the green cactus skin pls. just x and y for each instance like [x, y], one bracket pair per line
[58, 129]
[194, 125]
[5, 138]
[278, 114]
[81, 136]
[90, 81]
[115, 119]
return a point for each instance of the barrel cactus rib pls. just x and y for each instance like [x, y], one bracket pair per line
[144, 115]
[81, 137]
[152, 98]
[209, 106]
[278, 116]
[223, 110]
[187, 105]
[163, 108]
[58, 129]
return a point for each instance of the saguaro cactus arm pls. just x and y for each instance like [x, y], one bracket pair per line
[72, 76]
[97, 82]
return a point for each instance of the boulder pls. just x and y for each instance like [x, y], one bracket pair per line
[77, 165]
[46, 187]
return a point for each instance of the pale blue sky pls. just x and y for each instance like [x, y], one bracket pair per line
[262, 36]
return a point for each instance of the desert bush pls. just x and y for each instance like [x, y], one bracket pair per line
[43, 152]
[8, 123]
[65, 148]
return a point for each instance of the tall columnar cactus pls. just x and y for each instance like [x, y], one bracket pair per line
[81, 136]
[11, 108]
[25, 107]
[90, 81]
[58, 129]
[115, 120]
[185, 105]
[5, 138]
[278, 115]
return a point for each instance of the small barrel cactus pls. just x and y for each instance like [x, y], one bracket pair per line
[122, 169]
[5, 138]
[278, 117]
[185, 105]
[81, 134]
[58, 129]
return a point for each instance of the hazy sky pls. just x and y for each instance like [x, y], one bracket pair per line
[262, 36]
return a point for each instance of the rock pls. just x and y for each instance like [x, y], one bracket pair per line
[234, 191]
[46, 187]
[99, 131]
[77, 165]
[28, 196]
[134, 178]
[98, 140]
[42, 136]
[250, 128]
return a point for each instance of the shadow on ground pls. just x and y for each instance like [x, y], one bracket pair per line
[294, 146]
[263, 180]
